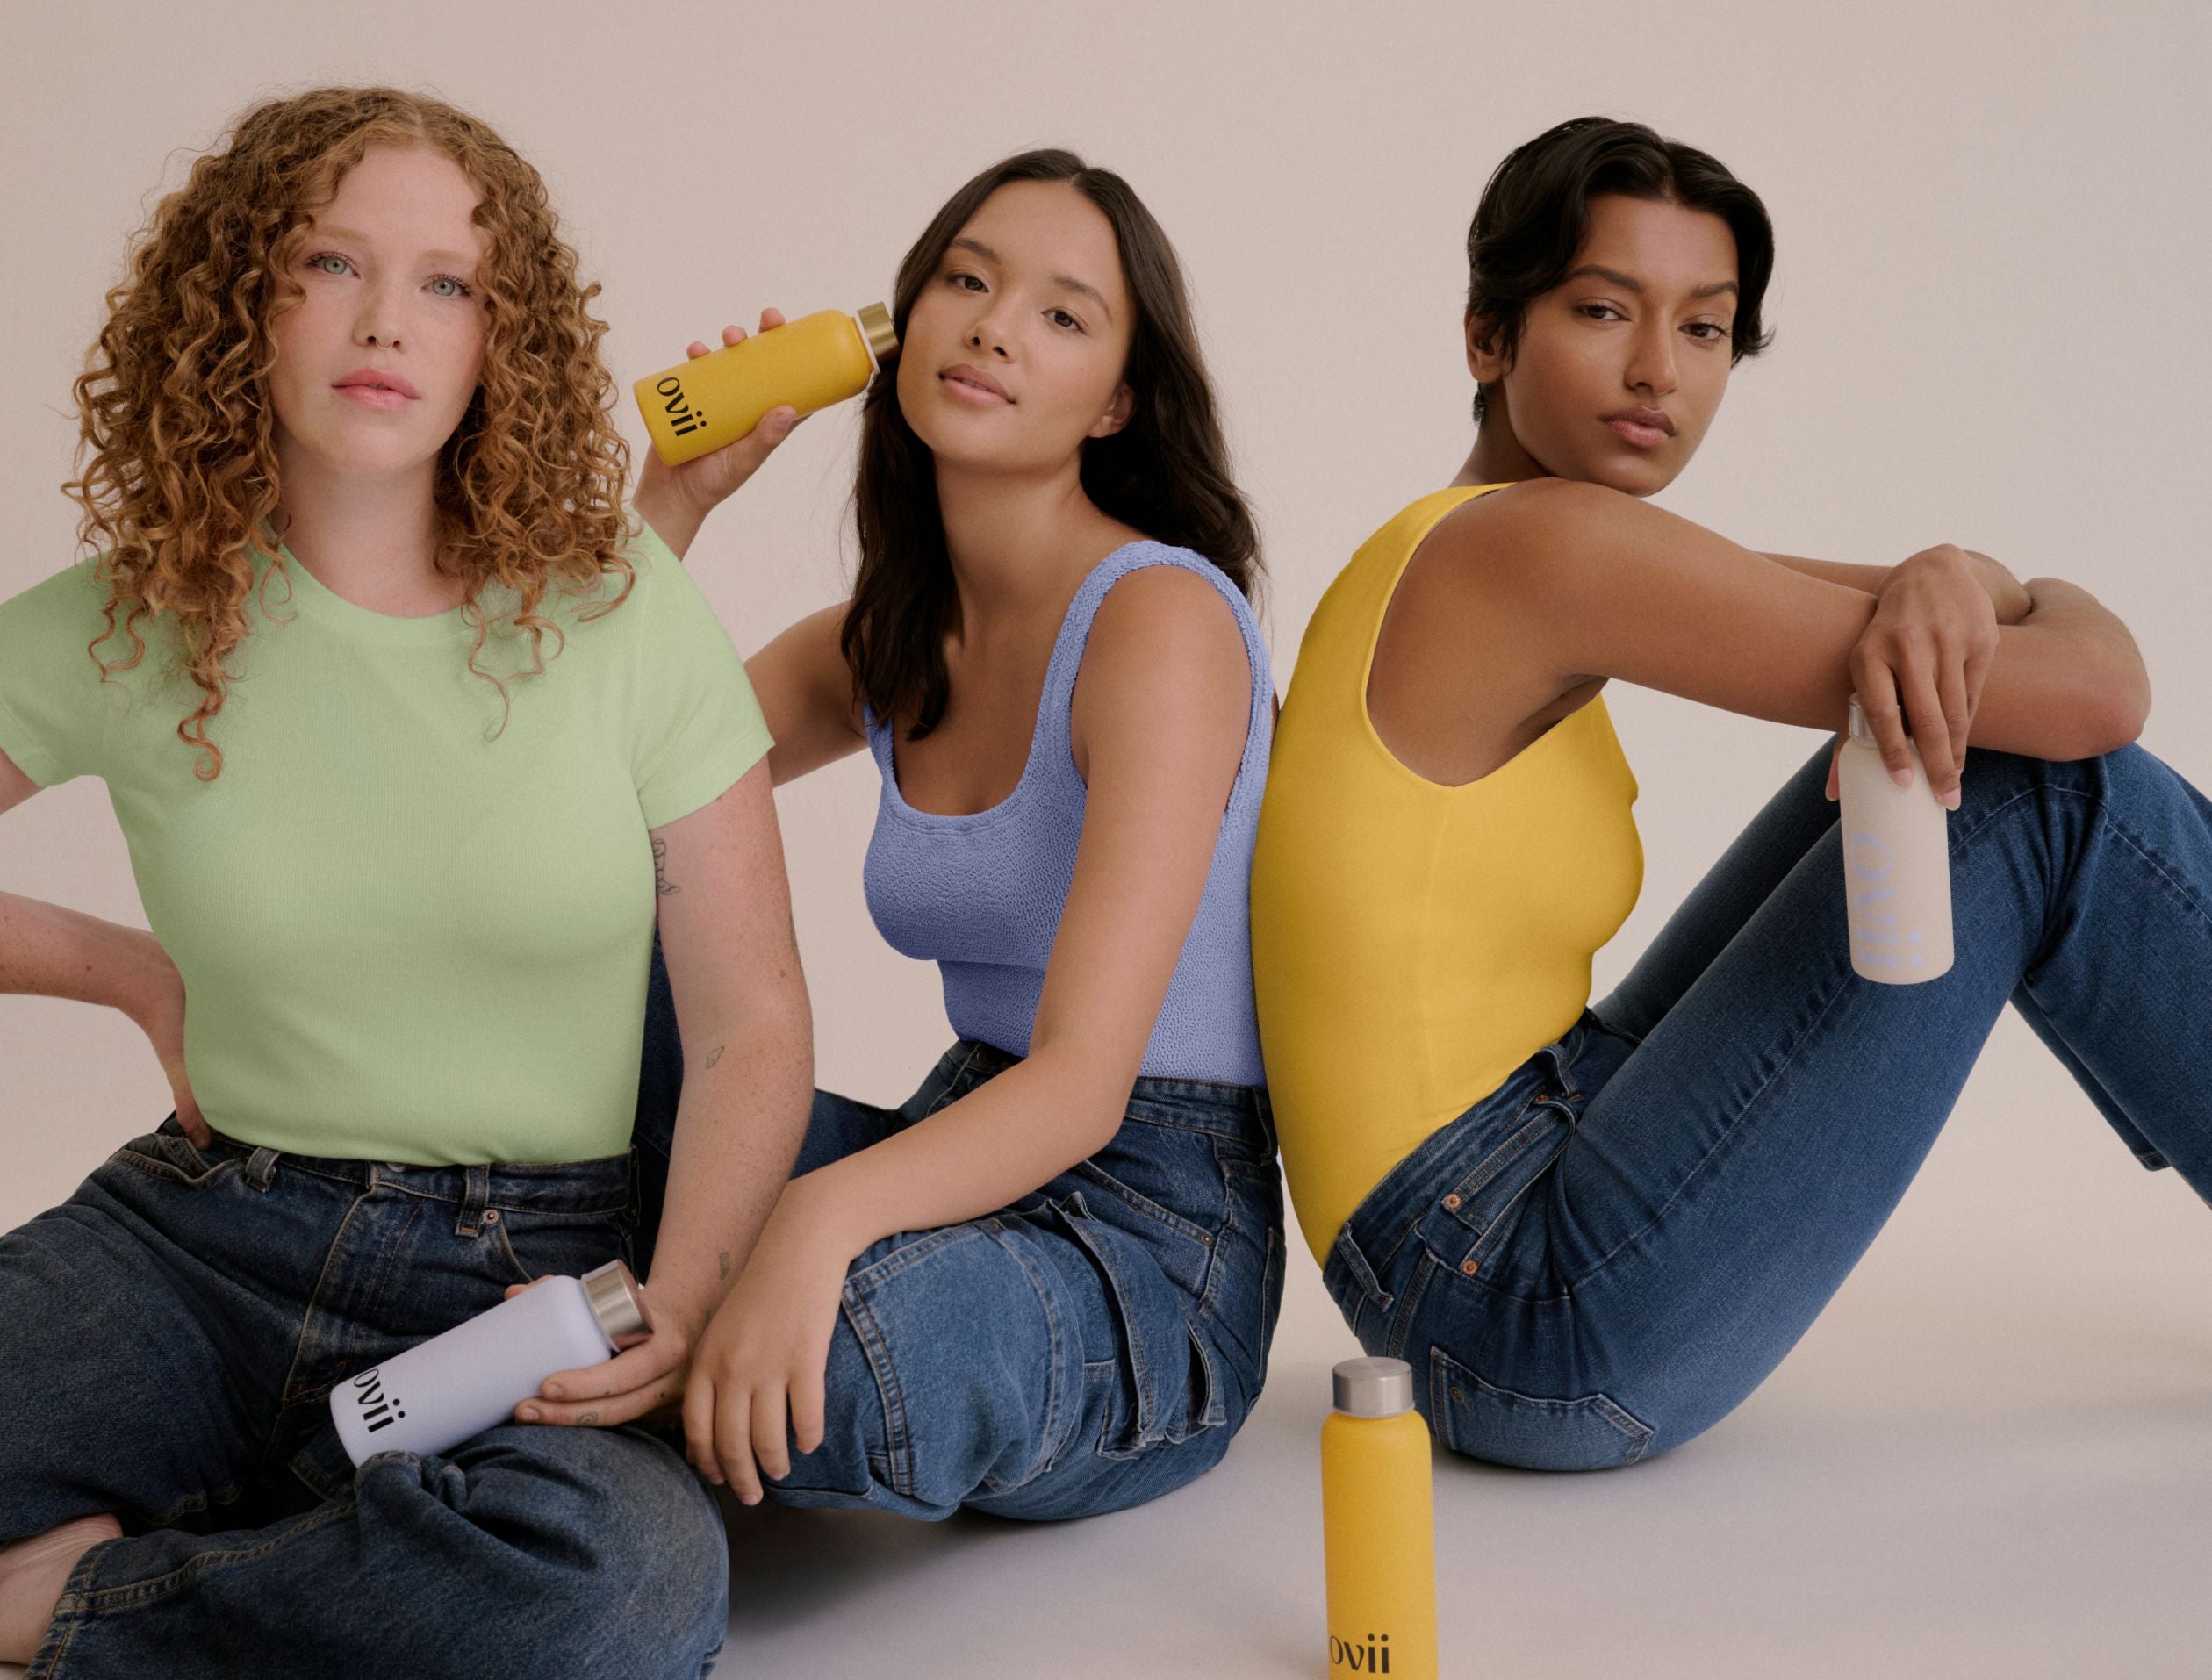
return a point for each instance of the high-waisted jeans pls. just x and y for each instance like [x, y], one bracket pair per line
[1091, 1346]
[1605, 1255]
[168, 1338]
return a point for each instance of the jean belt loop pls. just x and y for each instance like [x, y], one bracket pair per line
[476, 1192]
[1562, 1060]
[1363, 1275]
[261, 1167]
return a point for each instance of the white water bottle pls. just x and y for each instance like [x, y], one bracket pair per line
[1896, 864]
[460, 1383]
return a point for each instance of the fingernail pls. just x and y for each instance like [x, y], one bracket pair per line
[1901, 776]
[529, 1414]
[553, 1391]
[1950, 800]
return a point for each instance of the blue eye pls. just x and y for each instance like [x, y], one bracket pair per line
[460, 287]
[321, 260]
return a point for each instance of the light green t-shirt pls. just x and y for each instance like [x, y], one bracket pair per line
[406, 935]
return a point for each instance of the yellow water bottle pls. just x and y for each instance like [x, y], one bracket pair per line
[1379, 1525]
[698, 406]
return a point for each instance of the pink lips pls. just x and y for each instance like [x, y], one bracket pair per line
[974, 383]
[375, 388]
[1644, 427]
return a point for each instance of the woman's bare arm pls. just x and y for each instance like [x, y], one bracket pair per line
[1593, 583]
[748, 1036]
[2008, 595]
[49, 951]
[805, 695]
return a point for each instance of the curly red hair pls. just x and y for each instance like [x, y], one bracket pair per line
[178, 478]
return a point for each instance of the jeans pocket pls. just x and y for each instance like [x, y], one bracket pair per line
[1172, 1388]
[173, 1157]
[1481, 1420]
[535, 1244]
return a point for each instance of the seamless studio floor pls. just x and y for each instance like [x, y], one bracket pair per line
[1991, 1456]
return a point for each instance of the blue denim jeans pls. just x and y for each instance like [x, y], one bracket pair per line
[1604, 1256]
[1091, 1346]
[170, 1337]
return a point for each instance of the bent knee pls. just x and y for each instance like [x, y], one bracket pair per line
[589, 1543]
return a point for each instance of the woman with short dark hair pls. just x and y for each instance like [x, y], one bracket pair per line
[1594, 1230]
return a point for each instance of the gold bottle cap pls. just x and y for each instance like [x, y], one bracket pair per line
[882, 336]
[611, 1294]
[1374, 1387]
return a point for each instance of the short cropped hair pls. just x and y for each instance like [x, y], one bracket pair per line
[1534, 214]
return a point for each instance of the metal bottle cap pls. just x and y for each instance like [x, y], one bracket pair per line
[882, 336]
[1858, 728]
[1374, 1387]
[611, 1294]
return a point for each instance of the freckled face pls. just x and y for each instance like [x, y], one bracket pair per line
[377, 361]
[1015, 349]
[1622, 365]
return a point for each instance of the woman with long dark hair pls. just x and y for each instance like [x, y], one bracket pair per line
[1043, 1286]
[1593, 1231]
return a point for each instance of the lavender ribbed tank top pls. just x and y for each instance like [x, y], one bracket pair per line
[981, 894]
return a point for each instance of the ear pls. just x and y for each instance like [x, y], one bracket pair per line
[1117, 413]
[1485, 360]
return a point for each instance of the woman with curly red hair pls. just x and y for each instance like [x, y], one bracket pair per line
[411, 740]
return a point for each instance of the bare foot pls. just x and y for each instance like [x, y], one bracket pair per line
[32, 1573]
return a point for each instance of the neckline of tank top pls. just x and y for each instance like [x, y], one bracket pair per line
[949, 820]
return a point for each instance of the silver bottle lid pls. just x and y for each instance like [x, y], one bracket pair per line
[1856, 726]
[1374, 1387]
[612, 1293]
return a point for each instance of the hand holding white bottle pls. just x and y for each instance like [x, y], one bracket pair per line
[1896, 864]
[438, 1393]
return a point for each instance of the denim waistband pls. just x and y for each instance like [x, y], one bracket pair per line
[1200, 1105]
[600, 1185]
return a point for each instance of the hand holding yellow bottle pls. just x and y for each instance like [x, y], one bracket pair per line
[711, 400]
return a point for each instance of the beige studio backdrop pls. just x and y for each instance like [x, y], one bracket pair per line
[1990, 304]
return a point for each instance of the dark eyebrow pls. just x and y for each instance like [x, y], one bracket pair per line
[348, 236]
[1068, 281]
[1629, 283]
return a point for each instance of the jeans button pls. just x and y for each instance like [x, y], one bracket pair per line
[1469, 1268]
[1452, 1201]
[491, 1215]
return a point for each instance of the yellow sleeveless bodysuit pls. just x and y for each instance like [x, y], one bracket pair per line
[1412, 943]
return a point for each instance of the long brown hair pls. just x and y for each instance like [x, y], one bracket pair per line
[1165, 473]
[177, 452]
